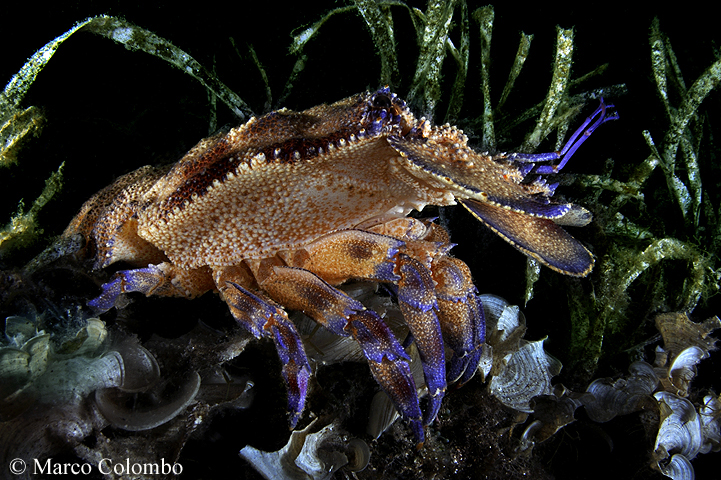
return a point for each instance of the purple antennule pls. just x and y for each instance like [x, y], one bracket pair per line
[592, 122]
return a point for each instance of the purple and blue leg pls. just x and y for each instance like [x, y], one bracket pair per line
[263, 319]
[257, 315]
[461, 316]
[299, 289]
[144, 280]
[163, 279]
[597, 118]
[389, 364]
[372, 256]
[417, 300]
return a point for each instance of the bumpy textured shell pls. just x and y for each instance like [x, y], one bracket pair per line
[282, 181]
[279, 182]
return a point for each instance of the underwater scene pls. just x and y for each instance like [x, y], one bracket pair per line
[360, 239]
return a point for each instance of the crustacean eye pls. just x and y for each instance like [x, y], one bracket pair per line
[381, 101]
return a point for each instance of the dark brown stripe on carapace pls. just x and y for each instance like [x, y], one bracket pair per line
[217, 163]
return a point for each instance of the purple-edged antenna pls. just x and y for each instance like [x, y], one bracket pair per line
[576, 140]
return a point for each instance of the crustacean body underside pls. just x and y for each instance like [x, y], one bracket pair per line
[278, 212]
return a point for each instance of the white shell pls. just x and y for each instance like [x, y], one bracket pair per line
[88, 339]
[678, 468]
[147, 411]
[528, 373]
[306, 456]
[381, 416]
[501, 316]
[680, 429]
[140, 367]
[622, 396]
[683, 369]
[31, 371]
[71, 380]
[360, 455]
